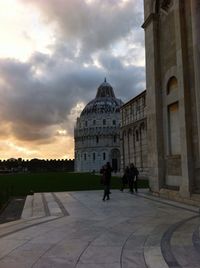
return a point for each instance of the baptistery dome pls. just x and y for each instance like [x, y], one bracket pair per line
[105, 101]
[97, 131]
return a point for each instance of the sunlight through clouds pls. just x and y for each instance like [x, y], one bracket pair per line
[53, 56]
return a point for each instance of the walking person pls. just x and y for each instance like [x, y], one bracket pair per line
[107, 180]
[136, 179]
[133, 176]
[125, 178]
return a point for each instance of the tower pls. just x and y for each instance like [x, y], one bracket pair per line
[172, 41]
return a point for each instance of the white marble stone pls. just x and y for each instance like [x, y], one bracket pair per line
[38, 206]
[125, 232]
[28, 207]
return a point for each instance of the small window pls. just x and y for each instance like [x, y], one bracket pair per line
[86, 123]
[114, 122]
[115, 138]
[104, 156]
[94, 122]
[97, 139]
[104, 122]
[85, 157]
[94, 156]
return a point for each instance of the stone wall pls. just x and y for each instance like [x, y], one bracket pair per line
[172, 32]
[133, 134]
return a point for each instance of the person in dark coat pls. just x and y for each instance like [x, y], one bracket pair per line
[136, 179]
[125, 178]
[107, 180]
[133, 176]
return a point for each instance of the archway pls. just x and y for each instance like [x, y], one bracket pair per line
[115, 159]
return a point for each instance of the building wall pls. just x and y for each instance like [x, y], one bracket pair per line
[97, 139]
[133, 134]
[172, 30]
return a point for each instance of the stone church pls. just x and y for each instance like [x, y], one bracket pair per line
[134, 134]
[172, 41]
[97, 132]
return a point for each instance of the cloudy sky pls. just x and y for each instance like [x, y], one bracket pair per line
[53, 56]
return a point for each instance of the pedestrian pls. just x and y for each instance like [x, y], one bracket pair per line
[107, 180]
[125, 178]
[136, 179]
[133, 177]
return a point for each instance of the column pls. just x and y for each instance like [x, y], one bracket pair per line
[195, 14]
[154, 104]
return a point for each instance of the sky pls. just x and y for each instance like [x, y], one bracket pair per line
[54, 54]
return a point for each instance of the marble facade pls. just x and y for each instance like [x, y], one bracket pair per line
[133, 134]
[172, 41]
[97, 132]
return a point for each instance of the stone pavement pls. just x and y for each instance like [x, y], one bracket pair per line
[77, 229]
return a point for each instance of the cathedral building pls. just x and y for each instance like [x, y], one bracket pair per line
[172, 41]
[97, 132]
[134, 134]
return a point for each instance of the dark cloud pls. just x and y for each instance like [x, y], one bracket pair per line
[32, 104]
[127, 80]
[37, 96]
[94, 26]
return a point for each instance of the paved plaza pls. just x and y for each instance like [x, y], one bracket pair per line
[77, 229]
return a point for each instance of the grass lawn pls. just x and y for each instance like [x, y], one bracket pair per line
[22, 184]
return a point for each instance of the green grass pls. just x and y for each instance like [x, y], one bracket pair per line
[22, 184]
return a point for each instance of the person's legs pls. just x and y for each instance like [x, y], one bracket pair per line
[131, 186]
[107, 192]
[135, 185]
[104, 194]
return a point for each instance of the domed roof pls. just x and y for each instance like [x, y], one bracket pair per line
[105, 90]
[104, 102]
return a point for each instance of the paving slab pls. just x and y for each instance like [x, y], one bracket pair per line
[77, 229]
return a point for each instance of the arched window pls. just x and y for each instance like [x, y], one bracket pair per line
[173, 119]
[172, 85]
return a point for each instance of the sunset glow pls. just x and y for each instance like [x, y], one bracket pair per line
[53, 56]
